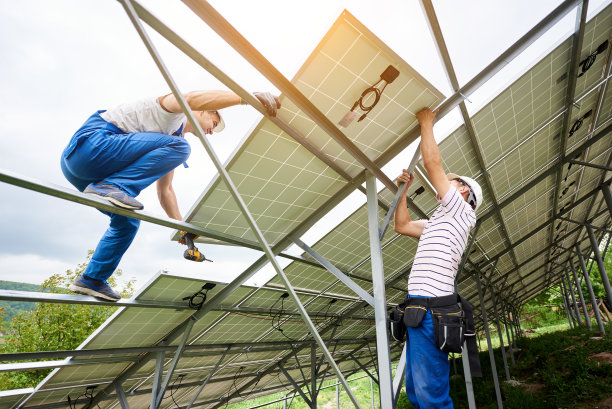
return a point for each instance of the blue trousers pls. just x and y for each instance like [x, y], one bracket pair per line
[99, 151]
[427, 368]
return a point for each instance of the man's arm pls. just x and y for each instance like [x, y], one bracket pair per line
[217, 99]
[167, 197]
[403, 224]
[430, 152]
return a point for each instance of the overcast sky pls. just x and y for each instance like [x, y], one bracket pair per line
[65, 59]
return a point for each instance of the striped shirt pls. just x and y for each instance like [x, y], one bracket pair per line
[441, 245]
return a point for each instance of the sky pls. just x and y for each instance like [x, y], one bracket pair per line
[65, 59]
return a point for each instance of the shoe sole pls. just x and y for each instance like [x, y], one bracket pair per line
[114, 201]
[89, 291]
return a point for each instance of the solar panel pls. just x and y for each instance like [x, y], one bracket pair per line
[281, 182]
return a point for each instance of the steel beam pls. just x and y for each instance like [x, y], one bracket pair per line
[380, 304]
[295, 385]
[600, 263]
[587, 280]
[605, 189]
[231, 187]
[335, 271]
[566, 305]
[364, 369]
[246, 96]
[121, 396]
[590, 165]
[212, 372]
[400, 373]
[568, 284]
[177, 355]
[489, 344]
[555, 164]
[584, 307]
[225, 30]
[157, 377]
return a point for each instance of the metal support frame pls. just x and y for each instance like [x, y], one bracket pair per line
[210, 375]
[500, 62]
[380, 305]
[600, 263]
[157, 378]
[587, 280]
[568, 284]
[225, 30]
[400, 373]
[313, 374]
[590, 165]
[232, 188]
[295, 385]
[177, 356]
[454, 83]
[581, 296]
[566, 304]
[121, 396]
[489, 344]
[335, 271]
[364, 369]
[467, 373]
[605, 190]
[505, 322]
[499, 333]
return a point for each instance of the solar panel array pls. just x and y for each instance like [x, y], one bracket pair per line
[284, 186]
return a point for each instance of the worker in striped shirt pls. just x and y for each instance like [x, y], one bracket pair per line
[442, 240]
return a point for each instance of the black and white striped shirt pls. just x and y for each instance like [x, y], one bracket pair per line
[441, 245]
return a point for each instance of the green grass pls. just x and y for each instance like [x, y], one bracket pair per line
[554, 360]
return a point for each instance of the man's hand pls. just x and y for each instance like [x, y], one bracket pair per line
[269, 101]
[182, 238]
[405, 177]
[426, 116]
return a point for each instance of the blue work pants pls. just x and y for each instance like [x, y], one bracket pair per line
[99, 151]
[427, 368]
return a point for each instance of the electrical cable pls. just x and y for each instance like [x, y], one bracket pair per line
[197, 300]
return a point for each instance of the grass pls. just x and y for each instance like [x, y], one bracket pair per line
[552, 370]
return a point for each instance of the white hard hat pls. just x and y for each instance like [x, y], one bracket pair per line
[473, 185]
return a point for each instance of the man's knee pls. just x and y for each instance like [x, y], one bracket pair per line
[124, 226]
[182, 148]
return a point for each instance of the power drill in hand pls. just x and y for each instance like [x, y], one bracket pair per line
[192, 253]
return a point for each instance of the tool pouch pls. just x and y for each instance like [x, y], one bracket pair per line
[448, 325]
[413, 315]
[396, 326]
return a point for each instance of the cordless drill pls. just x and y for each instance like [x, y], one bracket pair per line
[192, 253]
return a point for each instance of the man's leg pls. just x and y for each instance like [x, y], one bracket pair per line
[130, 162]
[430, 367]
[409, 381]
[113, 244]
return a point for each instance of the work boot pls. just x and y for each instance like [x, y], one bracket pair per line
[90, 286]
[114, 195]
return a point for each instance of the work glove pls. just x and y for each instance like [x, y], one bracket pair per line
[269, 101]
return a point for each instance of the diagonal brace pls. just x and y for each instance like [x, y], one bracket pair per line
[335, 271]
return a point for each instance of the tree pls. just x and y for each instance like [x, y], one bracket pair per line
[54, 327]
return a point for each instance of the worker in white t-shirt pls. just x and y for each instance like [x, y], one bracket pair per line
[442, 240]
[119, 152]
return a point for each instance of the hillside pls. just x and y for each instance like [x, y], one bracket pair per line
[12, 308]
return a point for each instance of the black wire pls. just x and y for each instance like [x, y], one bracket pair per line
[87, 394]
[172, 388]
[194, 303]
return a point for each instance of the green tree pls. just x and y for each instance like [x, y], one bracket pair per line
[54, 327]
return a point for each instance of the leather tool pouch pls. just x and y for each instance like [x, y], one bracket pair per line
[396, 326]
[448, 325]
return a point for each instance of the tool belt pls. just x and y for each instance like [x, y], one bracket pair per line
[453, 323]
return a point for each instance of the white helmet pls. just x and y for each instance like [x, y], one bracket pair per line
[475, 189]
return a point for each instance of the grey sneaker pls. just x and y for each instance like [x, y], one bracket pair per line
[90, 286]
[114, 195]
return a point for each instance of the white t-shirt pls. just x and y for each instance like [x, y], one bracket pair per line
[145, 115]
[441, 246]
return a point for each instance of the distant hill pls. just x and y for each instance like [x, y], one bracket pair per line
[12, 308]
